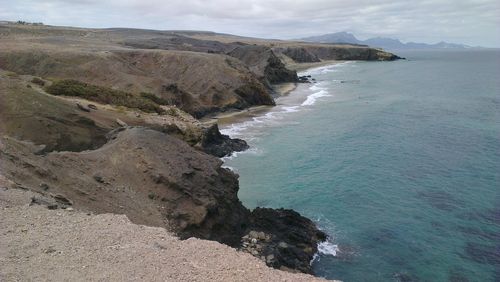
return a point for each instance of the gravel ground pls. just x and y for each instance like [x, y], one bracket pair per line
[37, 244]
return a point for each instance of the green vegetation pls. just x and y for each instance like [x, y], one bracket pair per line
[12, 74]
[154, 98]
[38, 81]
[70, 87]
[28, 23]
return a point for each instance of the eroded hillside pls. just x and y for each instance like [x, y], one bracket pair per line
[200, 72]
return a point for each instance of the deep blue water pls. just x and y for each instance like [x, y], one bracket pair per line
[399, 162]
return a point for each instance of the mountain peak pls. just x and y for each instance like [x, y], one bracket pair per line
[337, 37]
[380, 42]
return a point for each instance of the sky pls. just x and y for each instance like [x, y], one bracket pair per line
[472, 22]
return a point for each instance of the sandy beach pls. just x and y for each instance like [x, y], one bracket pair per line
[281, 91]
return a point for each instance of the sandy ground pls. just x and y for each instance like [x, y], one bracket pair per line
[233, 116]
[281, 90]
[37, 244]
[300, 67]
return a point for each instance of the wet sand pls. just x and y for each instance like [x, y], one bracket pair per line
[300, 67]
[281, 94]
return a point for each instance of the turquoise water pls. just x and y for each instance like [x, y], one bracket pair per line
[399, 162]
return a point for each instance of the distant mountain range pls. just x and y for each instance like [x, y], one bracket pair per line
[381, 42]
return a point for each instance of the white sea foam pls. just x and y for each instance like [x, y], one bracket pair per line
[311, 99]
[316, 87]
[237, 130]
[325, 69]
[246, 129]
[291, 109]
[327, 248]
[235, 154]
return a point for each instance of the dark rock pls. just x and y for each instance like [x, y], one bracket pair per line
[316, 53]
[290, 239]
[264, 63]
[304, 79]
[190, 191]
[60, 199]
[92, 106]
[98, 178]
[301, 55]
[39, 200]
[82, 107]
[44, 186]
[219, 145]
[276, 72]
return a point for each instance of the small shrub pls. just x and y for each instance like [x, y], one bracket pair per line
[172, 112]
[12, 74]
[38, 81]
[105, 95]
[154, 98]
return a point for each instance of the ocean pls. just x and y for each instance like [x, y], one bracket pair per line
[399, 162]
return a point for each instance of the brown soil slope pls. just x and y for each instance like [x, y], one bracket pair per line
[200, 72]
[90, 160]
[29, 113]
[197, 82]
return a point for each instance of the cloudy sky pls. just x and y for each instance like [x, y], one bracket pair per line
[473, 22]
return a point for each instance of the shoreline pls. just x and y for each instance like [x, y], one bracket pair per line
[325, 247]
[281, 90]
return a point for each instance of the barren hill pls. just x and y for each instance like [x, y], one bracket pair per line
[200, 72]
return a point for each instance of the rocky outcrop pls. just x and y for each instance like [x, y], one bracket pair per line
[219, 145]
[310, 53]
[282, 238]
[300, 55]
[262, 61]
[148, 165]
[198, 83]
[159, 180]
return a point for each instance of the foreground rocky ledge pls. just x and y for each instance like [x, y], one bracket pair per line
[158, 180]
[38, 244]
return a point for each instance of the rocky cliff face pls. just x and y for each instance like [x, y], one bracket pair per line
[149, 172]
[300, 55]
[61, 123]
[198, 83]
[262, 61]
[219, 145]
[159, 180]
[151, 166]
[315, 53]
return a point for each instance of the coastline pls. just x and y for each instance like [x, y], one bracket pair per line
[95, 153]
[302, 67]
[233, 123]
[281, 90]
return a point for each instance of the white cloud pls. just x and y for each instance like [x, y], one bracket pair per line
[474, 22]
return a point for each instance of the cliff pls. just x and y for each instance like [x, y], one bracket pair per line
[105, 121]
[199, 72]
[153, 168]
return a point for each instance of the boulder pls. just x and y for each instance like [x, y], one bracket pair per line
[219, 145]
